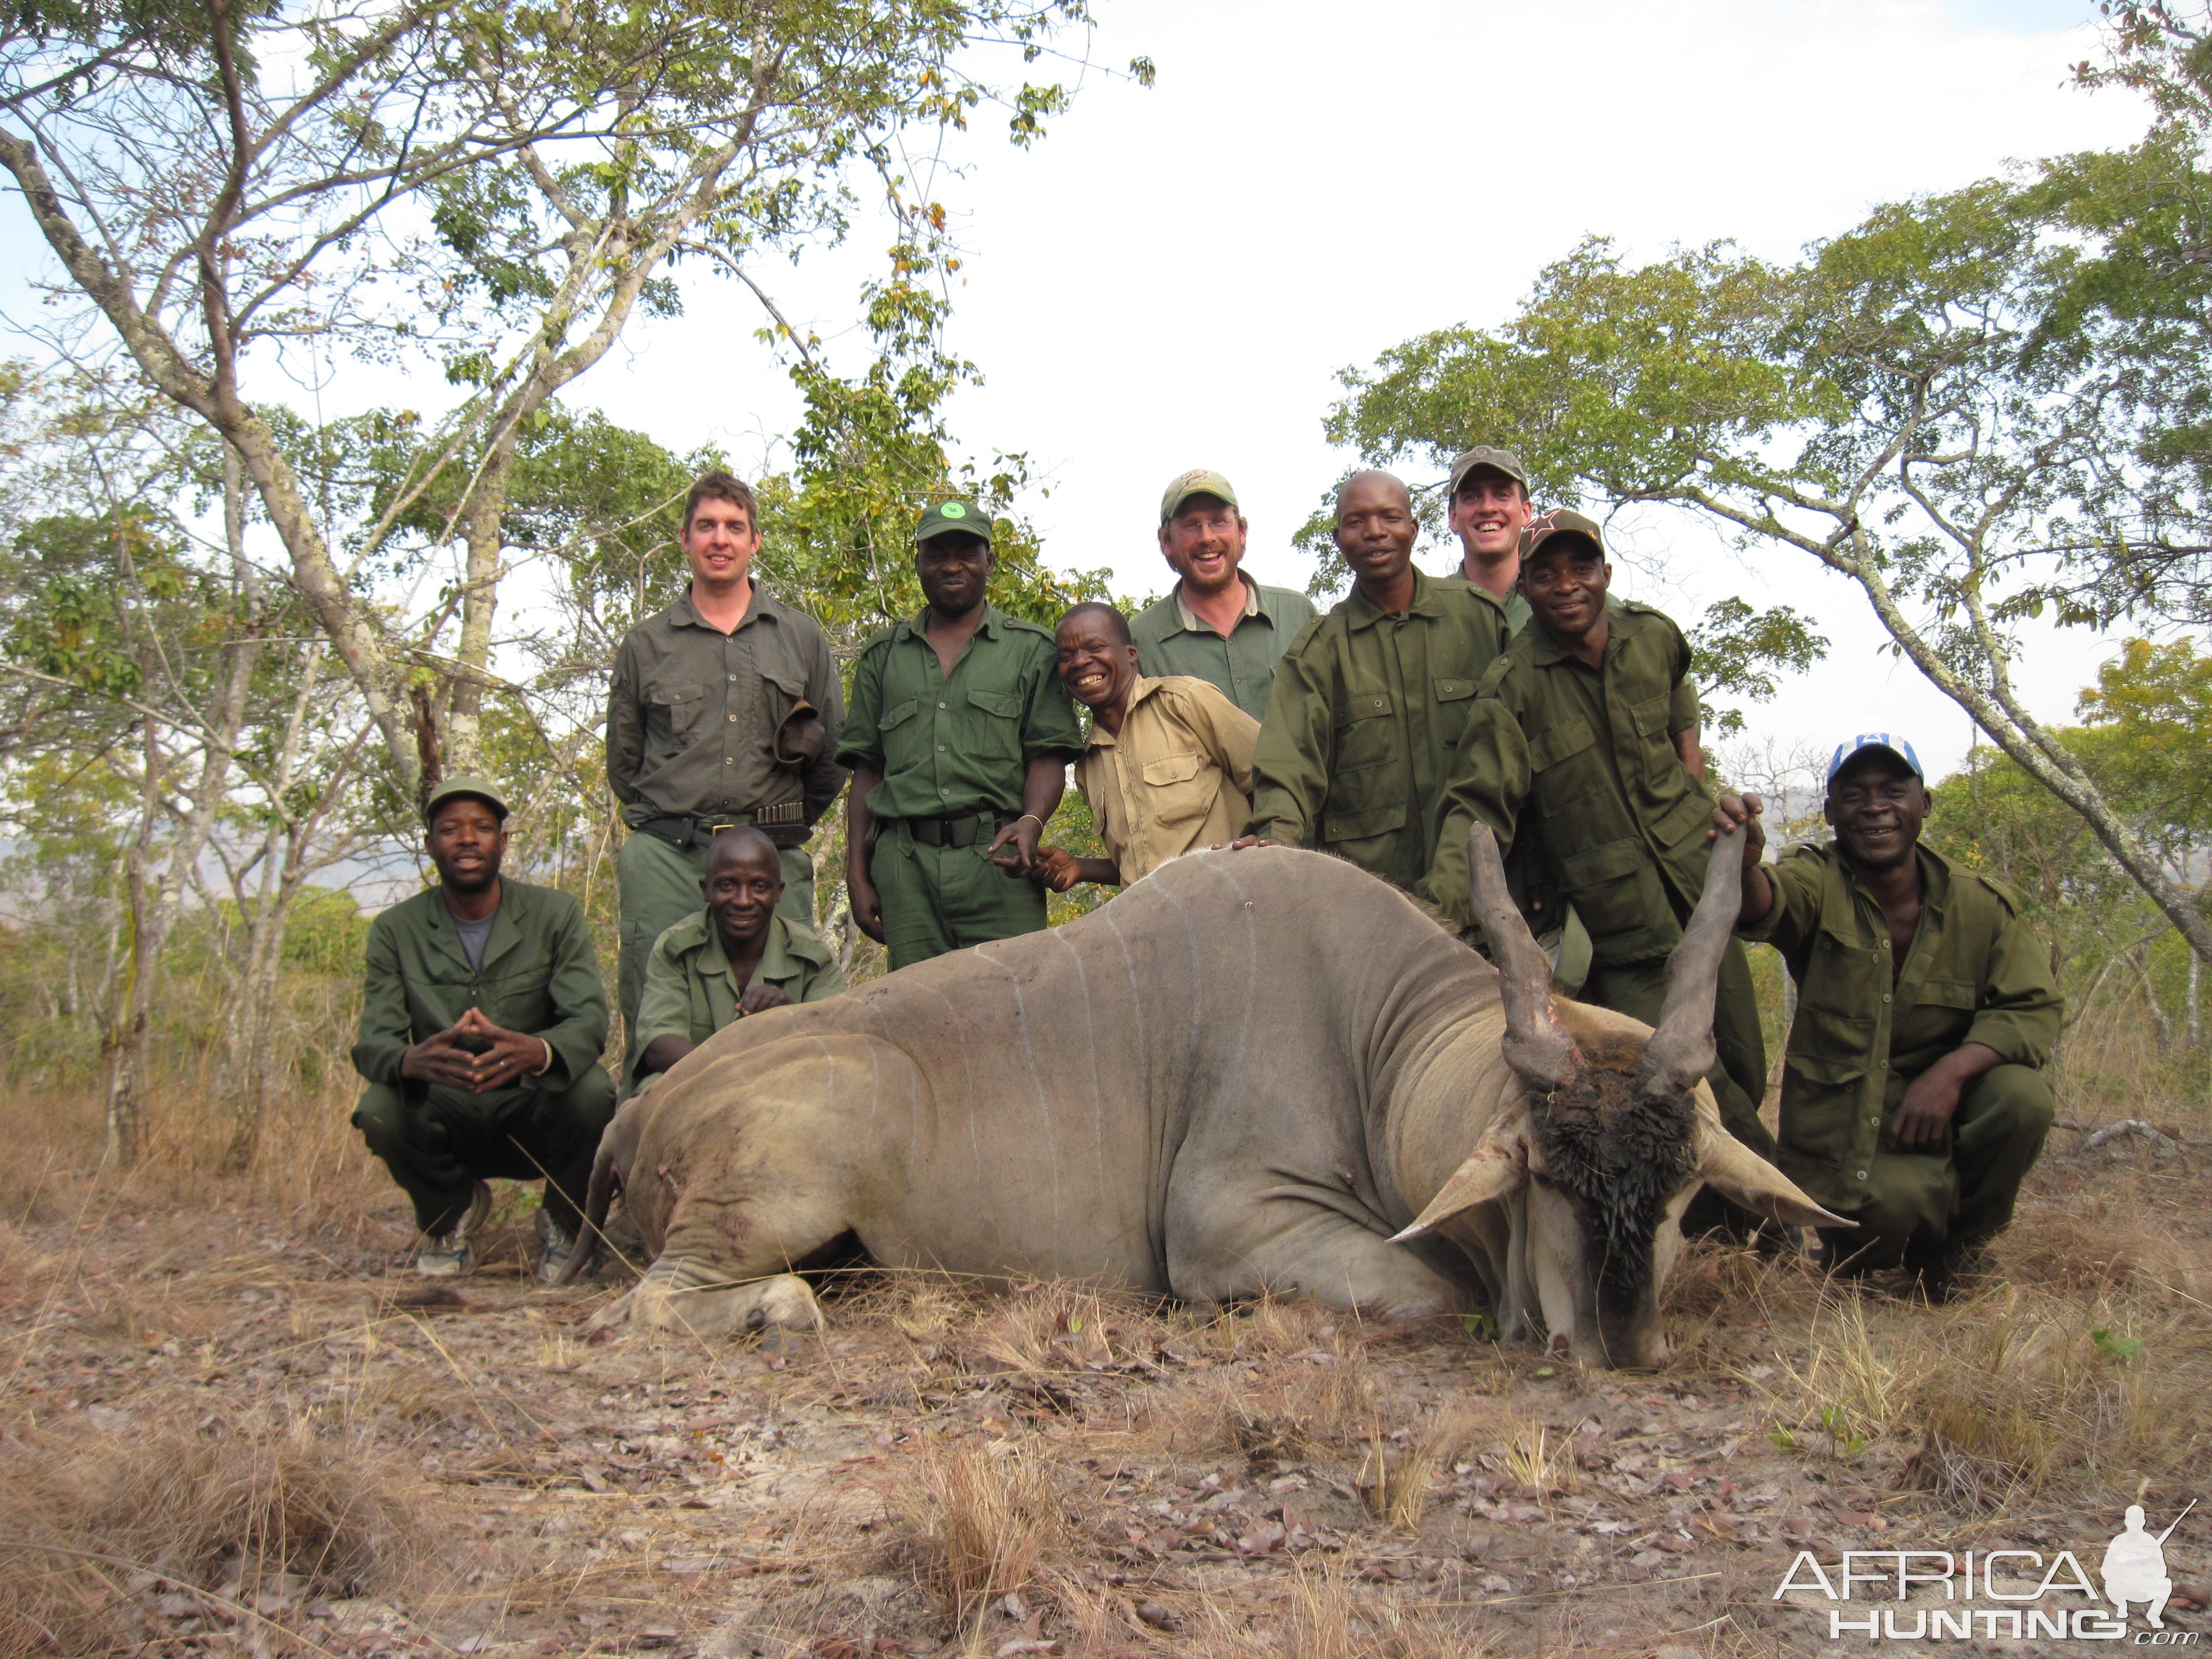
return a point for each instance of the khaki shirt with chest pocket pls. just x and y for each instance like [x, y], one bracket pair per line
[1177, 777]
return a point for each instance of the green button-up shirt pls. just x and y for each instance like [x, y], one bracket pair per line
[539, 975]
[1172, 640]
[1583, 759]
[692, 714]
[1367, 710]
[690, 993]
[957, 745]
[1866, 1025]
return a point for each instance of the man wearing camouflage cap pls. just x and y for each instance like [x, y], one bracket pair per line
[1584, 740]
[1490, 514]
[959, 740]
[482, 1015]
[1218, 625]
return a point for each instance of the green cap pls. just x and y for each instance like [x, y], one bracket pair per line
[1203, 481]
[947, 517]
[465, 783]
[1498, 460]
[1560, 522]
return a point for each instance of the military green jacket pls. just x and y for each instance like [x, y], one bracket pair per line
[1583, 761]
[692, 713]
[1171, 641]
[539, 975]
[690, 993]
[1866, 1026]
[1360, 731]
[958, 746]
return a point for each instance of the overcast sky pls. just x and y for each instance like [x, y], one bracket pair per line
[1174, 277]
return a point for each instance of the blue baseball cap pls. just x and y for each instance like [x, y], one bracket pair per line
[1889, 742]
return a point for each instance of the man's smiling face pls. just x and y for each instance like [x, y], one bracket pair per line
[721, 541]
[1565, 582]
[1204, 542]
[1489, 513]
[1876, 806]
[1096, 664]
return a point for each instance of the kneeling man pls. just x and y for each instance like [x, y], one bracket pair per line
[1915, 1101]
[481, 1026]
[735, 957]
[1168, 766]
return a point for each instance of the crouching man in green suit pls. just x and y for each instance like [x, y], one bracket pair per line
[736, 957]
[1915, 1101]
[482, 1017]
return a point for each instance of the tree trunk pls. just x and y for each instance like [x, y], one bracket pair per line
[123, 1047]
[479, 604]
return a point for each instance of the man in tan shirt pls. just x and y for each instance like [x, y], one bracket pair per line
[1168, 765]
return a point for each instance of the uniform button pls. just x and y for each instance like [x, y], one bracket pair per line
[940, 705]
[944, 791]
[1885, 996]
[1885, 944]
[733, 719]
[729, 760]
[1882, 1064]
[940, 748]
[1862, 1174]
[733, 679]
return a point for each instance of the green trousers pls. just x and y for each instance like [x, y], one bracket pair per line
[437, 1143]
[660, 884]
[1638, 989]
[937, 899]
[1918, 1202]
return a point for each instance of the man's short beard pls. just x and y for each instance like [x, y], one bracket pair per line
[461, 884]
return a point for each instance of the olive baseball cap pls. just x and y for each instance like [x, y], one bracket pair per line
[947, 518]
[1560, 521]
[1498, 460]
[1203, 481]
[465, 783]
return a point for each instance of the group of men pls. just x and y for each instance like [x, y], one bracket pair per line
[1521, 693]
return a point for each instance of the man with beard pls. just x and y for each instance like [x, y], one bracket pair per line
[1370, 700]
[1218, 625]
[736, 957]
[1914, 1100]
[1168, 765]
[482, 1022]
[1578, 742]
[959, 741]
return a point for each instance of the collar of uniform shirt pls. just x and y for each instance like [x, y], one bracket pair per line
[1363, 612]
[917, 626]
[1140, 688]
[686, 614]
[1190, 619]
[1620, 624]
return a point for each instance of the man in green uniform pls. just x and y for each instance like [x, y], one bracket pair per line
[959, 741]
[482, 1015]
[1370, 700]
[724, 709]
[736, 957]
[1491, 514]
[1579, 742]
[1913, 1099]
[1218, 624]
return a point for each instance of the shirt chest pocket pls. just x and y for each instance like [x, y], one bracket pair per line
[1564, 764]
[1649, 717]
[993, 728]
[1178, 790]
[1454, 701]
[1366, 735]
[683, 707]
[904, 738]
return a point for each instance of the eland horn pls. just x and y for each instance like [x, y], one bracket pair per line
[1535, 1045]
[1681, 1047]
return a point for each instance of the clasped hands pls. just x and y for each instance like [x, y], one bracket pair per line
[475, 1056]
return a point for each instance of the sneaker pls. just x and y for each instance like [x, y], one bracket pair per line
[559, 1244]
[443, 1255]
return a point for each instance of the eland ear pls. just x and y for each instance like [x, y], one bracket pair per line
[1499, 1163]
[1736, 1172]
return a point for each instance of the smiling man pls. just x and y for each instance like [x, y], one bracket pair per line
[1168, 765]
[1583, 757]
[1914, 1099]
[724, 709]
[735, 957]
[1490, 513]
[1370, 700]
[482, 1015]
[1218, 625]
[959, 743]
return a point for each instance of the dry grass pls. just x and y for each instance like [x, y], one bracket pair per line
[243, 1516]
[1320, 1614]
[981, 1523]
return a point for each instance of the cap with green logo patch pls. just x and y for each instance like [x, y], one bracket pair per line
[1560, 521]
[1203, 481]
[468, 784]
[1498, 460]
[949, 517]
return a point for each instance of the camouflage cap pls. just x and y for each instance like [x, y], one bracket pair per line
[949, 518]
[1560, 522]
[465, 783]
[1498, 460]
[1203, 481]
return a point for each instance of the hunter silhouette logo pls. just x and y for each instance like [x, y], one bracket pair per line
[2134, 1567]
